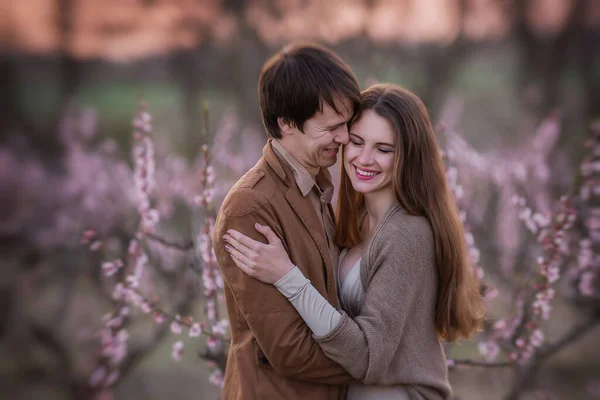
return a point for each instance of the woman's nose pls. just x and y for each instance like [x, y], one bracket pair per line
[365, 157]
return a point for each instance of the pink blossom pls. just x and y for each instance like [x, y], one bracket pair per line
[132, 281]
[195, 330]
[111, 267]
[537, 338]
[220, 328]
[211, 342]
[87, 236]
[216, 378]
[96, 245]
[112, 378]
[177, 351]
[97, 376]
[176, 327]
[158, 317]
[489, 350]
[210, 309]
[145, 307]
[586, 283]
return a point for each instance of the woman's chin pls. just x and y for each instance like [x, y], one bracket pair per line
[361, 188]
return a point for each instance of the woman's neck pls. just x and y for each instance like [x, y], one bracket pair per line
[377, 204]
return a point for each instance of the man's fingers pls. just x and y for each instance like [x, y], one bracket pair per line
[245, 240]
[268, 232]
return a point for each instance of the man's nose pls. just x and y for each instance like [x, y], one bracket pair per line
[342, 135]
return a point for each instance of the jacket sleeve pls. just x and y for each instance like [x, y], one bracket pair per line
[398, 297]
[281, 334]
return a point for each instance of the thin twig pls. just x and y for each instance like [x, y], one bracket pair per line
[187, 246]
[525, 377]
[483, 364]
[569, 337]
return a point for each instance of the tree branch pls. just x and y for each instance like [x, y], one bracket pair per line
[483, 364]
[187, 246]
[526, 375]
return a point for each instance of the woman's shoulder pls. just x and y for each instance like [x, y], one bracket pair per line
[403, 239]
[401, 225]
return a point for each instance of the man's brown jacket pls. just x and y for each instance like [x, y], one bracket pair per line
[272, 353]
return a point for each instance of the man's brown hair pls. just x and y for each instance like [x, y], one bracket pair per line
[294, 83]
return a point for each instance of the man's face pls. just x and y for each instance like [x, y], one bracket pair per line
[319, 145]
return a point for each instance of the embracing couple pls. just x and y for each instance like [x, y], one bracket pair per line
[356, 305]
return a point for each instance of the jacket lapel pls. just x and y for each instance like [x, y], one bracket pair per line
[304, 209]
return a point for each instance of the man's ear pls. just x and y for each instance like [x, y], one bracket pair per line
[286, 127]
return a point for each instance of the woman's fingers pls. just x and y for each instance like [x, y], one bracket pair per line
[268, 233]
[245, 240]
[241, 265]
[239, 246]
[239, 256]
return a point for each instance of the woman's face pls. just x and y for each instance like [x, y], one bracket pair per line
[369, 157]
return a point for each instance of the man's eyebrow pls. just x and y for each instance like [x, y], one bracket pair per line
[336, 125]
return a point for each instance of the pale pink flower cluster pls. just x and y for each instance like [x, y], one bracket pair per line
[177, 350]
[128, 274]
[103, 377]
[587, 269]
[46, 201]
[551, 234]
[113, 340]
[143, 176]
[457, 191]
[216, 378]
[502, 330]
[111, 267]
[526, 168]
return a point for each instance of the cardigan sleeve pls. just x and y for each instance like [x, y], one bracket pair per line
[400, 264]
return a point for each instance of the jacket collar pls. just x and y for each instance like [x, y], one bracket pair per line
[276, 154]
[304, 209]
[274, 162]
[304, 180]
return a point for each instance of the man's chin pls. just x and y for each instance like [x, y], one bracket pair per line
[328, 163]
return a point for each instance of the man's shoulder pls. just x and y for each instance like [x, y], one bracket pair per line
[251, 192]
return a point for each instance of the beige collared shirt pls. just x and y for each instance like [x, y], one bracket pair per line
[320, 192]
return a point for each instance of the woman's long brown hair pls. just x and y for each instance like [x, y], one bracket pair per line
[421, 188]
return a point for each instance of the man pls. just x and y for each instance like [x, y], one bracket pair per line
[307, 96]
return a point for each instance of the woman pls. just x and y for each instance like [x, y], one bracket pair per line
[404, 279]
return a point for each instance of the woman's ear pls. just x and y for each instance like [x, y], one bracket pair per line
[286, 127]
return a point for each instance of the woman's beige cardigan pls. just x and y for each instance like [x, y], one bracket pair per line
[393, 340]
